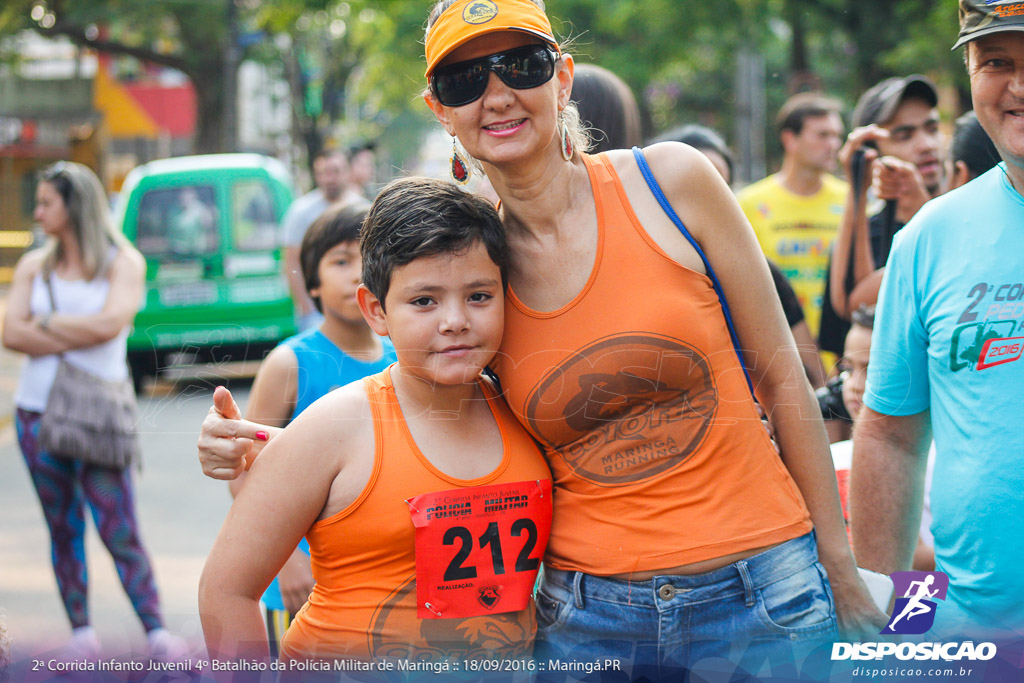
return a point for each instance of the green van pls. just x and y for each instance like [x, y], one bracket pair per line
[208, 226]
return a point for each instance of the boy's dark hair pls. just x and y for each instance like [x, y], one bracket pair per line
[973, 146]
[864, 317]
[334, 226]
[802, 106]
[416, 217]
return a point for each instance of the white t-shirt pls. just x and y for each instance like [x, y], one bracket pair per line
[105, 360]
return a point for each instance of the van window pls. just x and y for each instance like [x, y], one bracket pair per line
[253, 219]
[180, 221]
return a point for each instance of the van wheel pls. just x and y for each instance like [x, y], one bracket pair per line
[141, 368]
[139, 382]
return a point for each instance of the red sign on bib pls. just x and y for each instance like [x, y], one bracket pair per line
[478, 549]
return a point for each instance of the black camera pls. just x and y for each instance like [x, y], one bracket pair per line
[830, 399]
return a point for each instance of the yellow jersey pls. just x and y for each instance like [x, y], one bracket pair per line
[796, 232]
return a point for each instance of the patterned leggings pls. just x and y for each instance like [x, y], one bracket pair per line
[63, 486]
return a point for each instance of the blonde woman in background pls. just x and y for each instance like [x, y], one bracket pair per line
[97, 282]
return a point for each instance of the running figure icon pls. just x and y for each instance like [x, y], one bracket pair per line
[916, 608]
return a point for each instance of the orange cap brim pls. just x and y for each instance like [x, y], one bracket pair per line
[468, 19]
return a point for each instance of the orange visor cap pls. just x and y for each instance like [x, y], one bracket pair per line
[468, 19]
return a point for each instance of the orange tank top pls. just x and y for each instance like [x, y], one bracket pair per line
[636, 394]
[363, 606]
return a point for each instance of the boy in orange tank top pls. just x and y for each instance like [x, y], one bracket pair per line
[426, 522]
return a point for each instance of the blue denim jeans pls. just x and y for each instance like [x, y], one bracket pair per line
[761, 615]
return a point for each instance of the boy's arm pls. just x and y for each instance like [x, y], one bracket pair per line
[284, 495]
[275, 389]
[272, 402]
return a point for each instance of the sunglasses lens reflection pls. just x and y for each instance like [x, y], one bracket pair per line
[522, 68]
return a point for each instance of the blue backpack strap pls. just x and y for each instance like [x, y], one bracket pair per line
[670, 212]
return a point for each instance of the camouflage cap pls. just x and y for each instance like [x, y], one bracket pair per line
[979, 18]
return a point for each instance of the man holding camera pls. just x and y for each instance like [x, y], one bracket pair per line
[946, 358]
[897, 137]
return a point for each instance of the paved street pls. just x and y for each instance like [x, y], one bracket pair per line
[179, 511]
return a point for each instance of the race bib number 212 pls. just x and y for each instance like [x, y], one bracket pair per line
[478, 548]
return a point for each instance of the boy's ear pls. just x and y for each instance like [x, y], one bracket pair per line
[372, 310]
[961, 174]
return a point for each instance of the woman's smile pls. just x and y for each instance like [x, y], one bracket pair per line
[505, 128]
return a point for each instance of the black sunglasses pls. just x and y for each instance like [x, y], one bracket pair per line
[520, 68]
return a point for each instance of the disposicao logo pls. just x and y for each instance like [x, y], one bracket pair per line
[914, 612]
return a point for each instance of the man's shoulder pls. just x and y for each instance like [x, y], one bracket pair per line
[758, 190]
[351, 197]
[300, 215]
[952, 225]
[307, 201]
[949, 211]
[833, 187]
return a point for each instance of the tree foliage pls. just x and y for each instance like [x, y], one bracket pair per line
[355, 66]
[187, 35]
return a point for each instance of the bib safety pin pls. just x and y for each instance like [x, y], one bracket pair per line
[431, 609]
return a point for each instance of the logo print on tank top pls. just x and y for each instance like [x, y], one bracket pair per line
[636, 406]
[502, 636]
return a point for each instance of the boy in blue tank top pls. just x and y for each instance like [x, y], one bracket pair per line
[303, 368]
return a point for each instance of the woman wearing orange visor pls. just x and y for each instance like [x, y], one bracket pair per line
[679, 532]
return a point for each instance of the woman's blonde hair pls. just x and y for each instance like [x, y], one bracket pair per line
[570, 116]
[89, 216]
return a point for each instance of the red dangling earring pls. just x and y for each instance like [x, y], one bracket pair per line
[459, 169]
[565, 140]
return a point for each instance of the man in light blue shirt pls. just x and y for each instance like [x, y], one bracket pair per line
[330, 173]
[946, 358]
